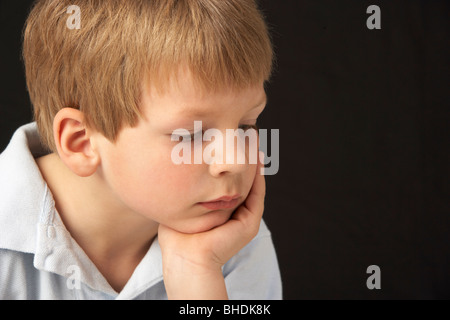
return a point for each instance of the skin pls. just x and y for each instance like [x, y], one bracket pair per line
[115, 197]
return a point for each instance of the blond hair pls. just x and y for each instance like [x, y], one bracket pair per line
[99, 68]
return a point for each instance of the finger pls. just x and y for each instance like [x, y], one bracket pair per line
[255, 199]
[250, 212]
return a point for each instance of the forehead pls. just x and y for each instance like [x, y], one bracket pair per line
[243, 101]
[182, 98]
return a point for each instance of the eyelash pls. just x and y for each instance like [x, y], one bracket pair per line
[249, 126]
[244, 127]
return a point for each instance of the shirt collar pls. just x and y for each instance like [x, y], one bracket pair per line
[23, 190]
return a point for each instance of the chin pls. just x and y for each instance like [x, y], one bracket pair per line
[205, 223]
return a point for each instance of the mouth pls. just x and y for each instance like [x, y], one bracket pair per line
[225, 202]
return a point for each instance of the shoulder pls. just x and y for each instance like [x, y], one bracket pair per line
[253, 273]
[16, 269]
[257, 250]
[20, 279]
[263, 231]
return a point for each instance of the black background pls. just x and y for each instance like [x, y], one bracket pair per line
[364, 163]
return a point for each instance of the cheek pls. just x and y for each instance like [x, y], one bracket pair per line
[149, 183]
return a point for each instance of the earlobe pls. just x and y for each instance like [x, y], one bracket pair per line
[74, 142]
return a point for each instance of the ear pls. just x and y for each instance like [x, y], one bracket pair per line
[74, 142]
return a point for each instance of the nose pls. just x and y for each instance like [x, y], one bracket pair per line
[231, 156]
[220, 169]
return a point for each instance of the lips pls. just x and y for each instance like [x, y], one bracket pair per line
[225, 202]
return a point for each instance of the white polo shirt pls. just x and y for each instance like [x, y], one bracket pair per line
[40, 260]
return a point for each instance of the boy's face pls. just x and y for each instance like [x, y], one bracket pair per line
[139, 170]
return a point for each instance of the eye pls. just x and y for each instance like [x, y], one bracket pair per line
[185, 135]
[246, 127]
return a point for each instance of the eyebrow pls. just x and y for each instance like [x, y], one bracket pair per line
[200, 113]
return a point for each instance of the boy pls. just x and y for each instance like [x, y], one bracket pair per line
[92, 206]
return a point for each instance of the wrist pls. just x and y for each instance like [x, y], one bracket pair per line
[186, 280]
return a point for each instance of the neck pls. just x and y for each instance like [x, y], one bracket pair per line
[114, 238]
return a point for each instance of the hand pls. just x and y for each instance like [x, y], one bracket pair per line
[192, 262]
